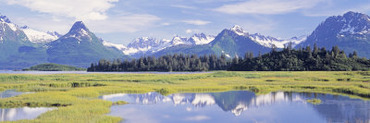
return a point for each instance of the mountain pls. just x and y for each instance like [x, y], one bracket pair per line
[231, 42]
[80, 47]
[236, 42]
[40, 37]
[148, 45]
[22, 47]
[16, 50]
[269, 41]
[350, 32]
[201, 38]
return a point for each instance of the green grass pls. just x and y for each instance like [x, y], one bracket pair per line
[75, 95]
[314, 101]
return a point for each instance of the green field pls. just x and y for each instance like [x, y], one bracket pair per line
[76, 95]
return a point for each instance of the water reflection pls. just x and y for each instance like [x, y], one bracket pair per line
[244, 106]
[12, 114]
[10, 93]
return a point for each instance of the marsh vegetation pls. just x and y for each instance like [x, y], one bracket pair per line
[76, 95]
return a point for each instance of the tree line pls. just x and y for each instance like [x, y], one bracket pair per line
[175, 62]
[302, 59]
[286, 59]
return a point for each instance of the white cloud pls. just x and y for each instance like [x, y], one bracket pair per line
[184, 6]
[196, 22]
[124, 23]
[78, 9]
[45, 23]
[165, 24]
[267, 6]
[198, 118]
[188, 31]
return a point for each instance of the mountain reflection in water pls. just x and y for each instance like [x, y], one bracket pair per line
[12, 114]
[332, 109]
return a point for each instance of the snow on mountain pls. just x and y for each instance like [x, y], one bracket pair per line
[146, 44]
[352, 23]
[268, 41]
[5, 20]
[151, 45]
[79, 31]
[33, 35]
[238, 30]
[200, 39]
[118, 46]
[40, 37]
[177, 40]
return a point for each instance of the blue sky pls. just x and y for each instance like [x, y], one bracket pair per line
[120, 21]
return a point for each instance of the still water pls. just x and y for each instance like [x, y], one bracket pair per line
[237, 107]
[12, 114]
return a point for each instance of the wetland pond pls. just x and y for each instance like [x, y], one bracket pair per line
[13, 114]
[237, 107]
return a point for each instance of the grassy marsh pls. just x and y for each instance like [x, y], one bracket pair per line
[76, 95]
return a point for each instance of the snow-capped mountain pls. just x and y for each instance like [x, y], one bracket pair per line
[79, 32]
[350, 32]
[33, 35]
[10, 31]
[148, 45]
[201, 38]
[118, 46]
[238, 30]
[354, 23]
[40, 37]
[5, 20]
[178, 40]
[143, 45]
[267, 41]
[80, 47]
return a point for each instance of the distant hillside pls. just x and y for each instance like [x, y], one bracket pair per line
[53, 67]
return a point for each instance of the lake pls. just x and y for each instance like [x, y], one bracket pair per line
[13, 114]
[237, 107]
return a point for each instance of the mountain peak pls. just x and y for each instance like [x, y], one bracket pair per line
[201, 38]
[80, 32]
[5, 19]
[79, 26]
[237, 29]
[351, 14]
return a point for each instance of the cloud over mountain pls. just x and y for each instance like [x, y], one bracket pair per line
[78, 9]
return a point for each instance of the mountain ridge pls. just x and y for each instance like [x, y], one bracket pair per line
[24, 46]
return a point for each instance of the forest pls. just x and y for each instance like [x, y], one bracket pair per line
[286, 59]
